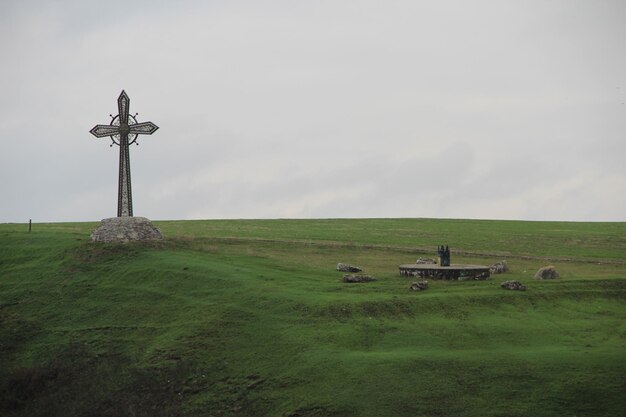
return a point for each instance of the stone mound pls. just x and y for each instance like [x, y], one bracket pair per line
[419, 286]
[547, 272]
[126, 229]
[358, 278]
[347, 268]
[513, 285]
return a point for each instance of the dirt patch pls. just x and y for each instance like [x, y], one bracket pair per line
[78, 382]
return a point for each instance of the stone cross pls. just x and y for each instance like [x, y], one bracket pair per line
[123, 131]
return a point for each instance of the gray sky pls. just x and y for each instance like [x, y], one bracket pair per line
[307, 109]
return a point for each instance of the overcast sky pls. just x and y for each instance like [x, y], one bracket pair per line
[315, 109]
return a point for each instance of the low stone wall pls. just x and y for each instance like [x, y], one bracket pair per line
[452, 272]
[126, 229]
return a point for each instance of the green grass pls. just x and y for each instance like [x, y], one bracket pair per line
[249, 317]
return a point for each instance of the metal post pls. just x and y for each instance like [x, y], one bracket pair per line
[30, 225]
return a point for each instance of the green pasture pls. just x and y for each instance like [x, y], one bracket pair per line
[250, 318]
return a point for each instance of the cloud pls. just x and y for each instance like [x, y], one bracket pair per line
[325, 109]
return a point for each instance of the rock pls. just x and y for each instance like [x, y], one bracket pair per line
[419, 286]
[499, 267]
[421, 261]
[547, 272]
[513, 285]
[347, 268]
[482, 276]
[126, 229]
[358, 278]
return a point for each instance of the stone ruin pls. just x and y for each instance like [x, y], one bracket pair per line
[418, 286]
[347, 268]
[513, 285]
[499, 267]
[358, 278]
[547, 272]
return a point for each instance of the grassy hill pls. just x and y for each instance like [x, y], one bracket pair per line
[249, 318]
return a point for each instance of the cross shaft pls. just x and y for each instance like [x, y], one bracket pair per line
[122, 126]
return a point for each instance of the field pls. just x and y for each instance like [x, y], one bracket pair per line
[250, 318]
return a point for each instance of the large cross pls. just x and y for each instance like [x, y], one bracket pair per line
[123, 131]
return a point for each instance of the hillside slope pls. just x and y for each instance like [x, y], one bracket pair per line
[232, 318]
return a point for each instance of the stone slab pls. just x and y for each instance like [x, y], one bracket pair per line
[126, 229]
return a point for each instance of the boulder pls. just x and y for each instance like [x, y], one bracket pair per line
[358, 278]
[422, 261]
[499, 267]
[419, 286]
[126, 229]
[513, 285]
[347, 268]
[547, 272]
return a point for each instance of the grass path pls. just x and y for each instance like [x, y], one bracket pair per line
[423, 250]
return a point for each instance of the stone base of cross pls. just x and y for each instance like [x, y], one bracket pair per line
[125, 229]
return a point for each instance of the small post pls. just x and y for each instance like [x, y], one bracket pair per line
[30, 225]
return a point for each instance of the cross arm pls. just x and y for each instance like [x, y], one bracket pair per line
[143, 128]
[101, 131]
